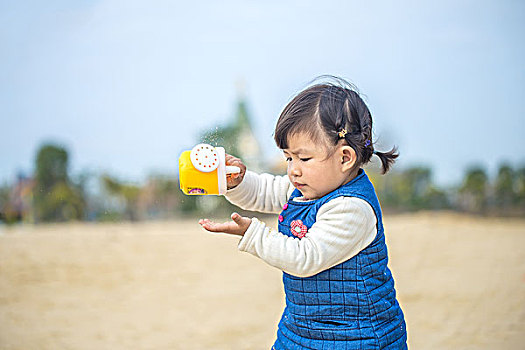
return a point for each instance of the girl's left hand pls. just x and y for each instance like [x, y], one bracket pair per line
[237, 226]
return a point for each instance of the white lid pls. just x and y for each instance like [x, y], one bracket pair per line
[204, 157]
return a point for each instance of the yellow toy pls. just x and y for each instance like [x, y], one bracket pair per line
[203, 170]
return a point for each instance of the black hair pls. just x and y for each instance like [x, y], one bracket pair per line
[339, 111]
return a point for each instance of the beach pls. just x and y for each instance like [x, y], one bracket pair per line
[460, 281]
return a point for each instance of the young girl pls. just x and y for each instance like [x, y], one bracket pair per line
[330, 242]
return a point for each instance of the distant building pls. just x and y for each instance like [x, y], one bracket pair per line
[248, 146]
[19, 206]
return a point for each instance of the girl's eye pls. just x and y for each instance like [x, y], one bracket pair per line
[288, 159]
[305, 159]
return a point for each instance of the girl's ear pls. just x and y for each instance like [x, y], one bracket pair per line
[348, 158]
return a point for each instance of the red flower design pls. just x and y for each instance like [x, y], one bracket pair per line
[298, 228]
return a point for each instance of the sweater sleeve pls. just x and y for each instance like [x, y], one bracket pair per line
[344, 226]
[261, 192]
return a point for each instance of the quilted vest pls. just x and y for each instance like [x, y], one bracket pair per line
[349, 306]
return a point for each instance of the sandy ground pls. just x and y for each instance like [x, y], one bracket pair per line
[170, 285]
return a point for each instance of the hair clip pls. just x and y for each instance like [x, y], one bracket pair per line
[367, 143]
[342, 133]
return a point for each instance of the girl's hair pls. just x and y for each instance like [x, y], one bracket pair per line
[337, 110]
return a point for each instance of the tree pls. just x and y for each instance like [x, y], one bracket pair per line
[161, 197]
[504, 191]
[55, 198]
[473, 192]
[411, 189]
[520, 188]
[128, 193]
[6, 213]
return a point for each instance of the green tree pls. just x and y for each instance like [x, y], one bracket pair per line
[55, 198]
[161, 197]
[6, 214]
[473, 191]
[435, 199]
[417, 181]
[504, 189]
[520, 188]
[411, 189]
[128, 193]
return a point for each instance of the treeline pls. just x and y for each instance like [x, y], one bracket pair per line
[51, 194]
[413, 189]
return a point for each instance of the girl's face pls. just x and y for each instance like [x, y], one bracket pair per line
[312, 172]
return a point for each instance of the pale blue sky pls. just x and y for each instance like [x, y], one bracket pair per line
[127, 85]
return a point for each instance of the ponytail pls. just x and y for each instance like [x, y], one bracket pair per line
[387, 158]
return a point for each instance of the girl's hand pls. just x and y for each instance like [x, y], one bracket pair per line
[238, 226]
[233, 180]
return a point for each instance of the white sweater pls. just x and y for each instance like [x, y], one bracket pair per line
[344, 226]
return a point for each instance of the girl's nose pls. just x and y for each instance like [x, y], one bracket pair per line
[293, 169]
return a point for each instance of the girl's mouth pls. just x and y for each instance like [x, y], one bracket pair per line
[298, 185]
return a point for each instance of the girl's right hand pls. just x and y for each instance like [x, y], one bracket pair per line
[233, 180]
[237, 226]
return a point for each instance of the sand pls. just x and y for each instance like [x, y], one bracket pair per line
[171, 285]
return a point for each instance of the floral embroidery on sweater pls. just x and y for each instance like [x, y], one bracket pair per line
[298, 228]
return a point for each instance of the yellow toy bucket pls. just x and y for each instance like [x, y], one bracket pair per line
[202, 171]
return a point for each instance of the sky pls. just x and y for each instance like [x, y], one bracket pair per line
[126, 86]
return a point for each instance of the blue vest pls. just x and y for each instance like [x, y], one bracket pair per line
[349, 306]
